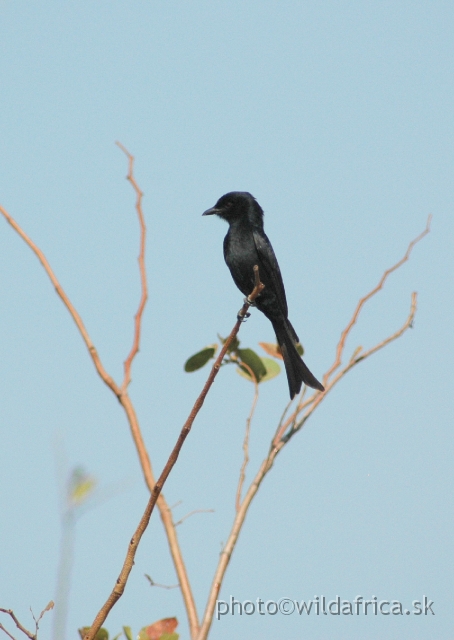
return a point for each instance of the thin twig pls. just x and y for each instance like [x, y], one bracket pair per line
[192, 513]
[7, 632]
[120, 584]
[128, 407]
[315, 397]
[48, 607]
[361, 303]
[161, 586]
[28, 633]
[66, 301]
[353, 362]
[246, 438]
[143, 274]
[297, 424]
[282, 428]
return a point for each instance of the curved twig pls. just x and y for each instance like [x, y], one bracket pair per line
[295, 423]
[362, 302]
[143, 274]
[122, 579]
[122, 394]
[246, 438]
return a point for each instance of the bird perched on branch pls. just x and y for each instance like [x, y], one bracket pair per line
[246, 245]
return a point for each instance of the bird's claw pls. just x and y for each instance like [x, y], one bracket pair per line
[243, 316]
[250, 302]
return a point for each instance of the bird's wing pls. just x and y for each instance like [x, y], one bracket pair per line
[269, 263]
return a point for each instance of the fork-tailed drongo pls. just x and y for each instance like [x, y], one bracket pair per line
[246, 245]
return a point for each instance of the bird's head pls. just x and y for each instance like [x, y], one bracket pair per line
[237, 205]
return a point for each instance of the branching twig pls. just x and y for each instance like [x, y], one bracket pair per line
[192, 513]
[120, 584]
[295, 423]
[161, 586]
[123, 397]
[246, 437]
[7, 632]
[362, 302]
[28, 633]
[316, 397]
[143, 275]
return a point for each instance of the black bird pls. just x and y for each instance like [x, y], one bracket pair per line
[246, 245]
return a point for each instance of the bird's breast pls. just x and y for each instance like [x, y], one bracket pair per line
[240, 254]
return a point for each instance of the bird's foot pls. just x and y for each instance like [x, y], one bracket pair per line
[243, 316]
[250, 302]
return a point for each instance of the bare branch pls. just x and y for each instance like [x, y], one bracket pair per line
[143, 275]
[48, 607]
[7, 632]
[362, 302]
[161, 586]
[246, 438]
[353, 361]
[125, 401]
[28, 633]
[294, 422]
[66, 301]
[120, 584]
[192, 513]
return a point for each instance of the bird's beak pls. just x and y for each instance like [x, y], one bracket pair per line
[210, 212]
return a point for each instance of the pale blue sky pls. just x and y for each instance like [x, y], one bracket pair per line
[338, 117]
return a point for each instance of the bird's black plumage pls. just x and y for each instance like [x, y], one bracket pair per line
[246, 245]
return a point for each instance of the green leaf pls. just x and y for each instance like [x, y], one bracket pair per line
[102, 634]
[300, 348]
[169, 636]
[198, 360]
[272, 369]
[80, 485]
[249, 357]
[143, 635]
[128, 633]
[233, 345]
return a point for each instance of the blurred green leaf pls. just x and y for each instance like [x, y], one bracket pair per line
[143, 635]
[249, 357]
[272, 369]
[233, 345]
[198, 360]
[300, 348]
[128, 633]
[169, 636]
[102, 634]
[80, 485]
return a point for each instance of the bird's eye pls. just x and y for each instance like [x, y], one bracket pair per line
[229, 203]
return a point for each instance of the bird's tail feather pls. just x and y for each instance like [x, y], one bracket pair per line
[297, 371]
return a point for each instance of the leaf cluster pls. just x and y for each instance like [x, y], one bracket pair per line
[248, 363]
[160, 630]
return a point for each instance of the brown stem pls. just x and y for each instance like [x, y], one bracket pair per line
[28, 633]
[280, 440]
[120, 584]
[7, 632]
[192, 513]
[122, 394]
[143, 275]
[362, 302]
[246, 439]
[315, 397]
